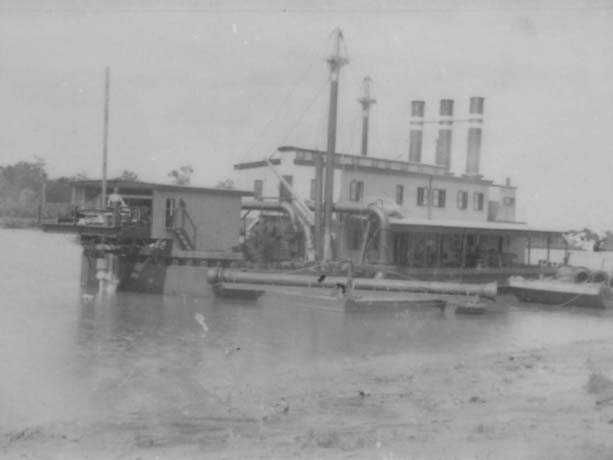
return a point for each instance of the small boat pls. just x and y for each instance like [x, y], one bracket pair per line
[594, 292]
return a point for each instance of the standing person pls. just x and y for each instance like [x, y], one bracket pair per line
[115, 202]
[115, 199]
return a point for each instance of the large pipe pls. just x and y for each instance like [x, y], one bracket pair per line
[473, 151]
[377, 211]
[417, 130]
[289, 210]
[384, 231]
[285, 207]
[443, 143]
[223, 275]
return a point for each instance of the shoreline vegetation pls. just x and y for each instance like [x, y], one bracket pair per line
[18, 222]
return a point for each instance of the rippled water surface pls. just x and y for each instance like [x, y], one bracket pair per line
[65, 357]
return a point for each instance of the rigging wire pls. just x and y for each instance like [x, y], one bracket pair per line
[277, 110]
[302, 115]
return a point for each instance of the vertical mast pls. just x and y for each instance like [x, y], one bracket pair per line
[335, 62]
[366, 101]
[319, 196]
[105, 139]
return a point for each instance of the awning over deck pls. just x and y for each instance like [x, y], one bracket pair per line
[454, 226]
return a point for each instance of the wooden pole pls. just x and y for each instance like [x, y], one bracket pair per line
[319, 184]
[464, 244]
[439, 250]
[107, 76]
[429, 198]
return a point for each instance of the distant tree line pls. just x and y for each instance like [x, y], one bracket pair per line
[590, 240]
[21, 186]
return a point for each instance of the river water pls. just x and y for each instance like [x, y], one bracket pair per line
[132, 359]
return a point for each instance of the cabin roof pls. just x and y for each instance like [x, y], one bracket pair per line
[150, 186]
[506, 227]
[346, 161]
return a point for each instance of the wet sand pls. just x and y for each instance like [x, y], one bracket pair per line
[554, 403]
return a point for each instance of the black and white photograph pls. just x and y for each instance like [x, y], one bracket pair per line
[291, 229]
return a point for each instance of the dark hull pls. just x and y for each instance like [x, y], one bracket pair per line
[235, 292]
[562, 294]
[382, 303]
[560, 299]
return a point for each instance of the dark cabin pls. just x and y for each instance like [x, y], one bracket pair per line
[197, 219]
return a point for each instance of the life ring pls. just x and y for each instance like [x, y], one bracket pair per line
[600, 276]
[581, 275]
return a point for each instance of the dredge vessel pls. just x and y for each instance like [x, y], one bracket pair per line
[316, 211]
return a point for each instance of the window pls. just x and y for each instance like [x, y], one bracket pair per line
[422, 196]
[284, 194]
[442, 198]
[509, 201]
[170, 212]
[356, 190]
[399, 194]
[478, 201]
[313, 192]
[462, 199]
[438, 198]
[258, 187]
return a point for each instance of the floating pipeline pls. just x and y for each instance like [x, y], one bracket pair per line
[225, 275]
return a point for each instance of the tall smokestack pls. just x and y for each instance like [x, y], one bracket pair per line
[473, 151]
[417, 130]
[443, 143]
[366, 101]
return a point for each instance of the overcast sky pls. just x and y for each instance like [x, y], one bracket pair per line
[215, 83]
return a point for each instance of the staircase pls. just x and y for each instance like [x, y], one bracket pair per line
[183, 229]
[182, 238]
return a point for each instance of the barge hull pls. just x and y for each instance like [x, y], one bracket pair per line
[562, 294]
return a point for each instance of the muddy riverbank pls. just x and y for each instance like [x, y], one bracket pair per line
[535, 403]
